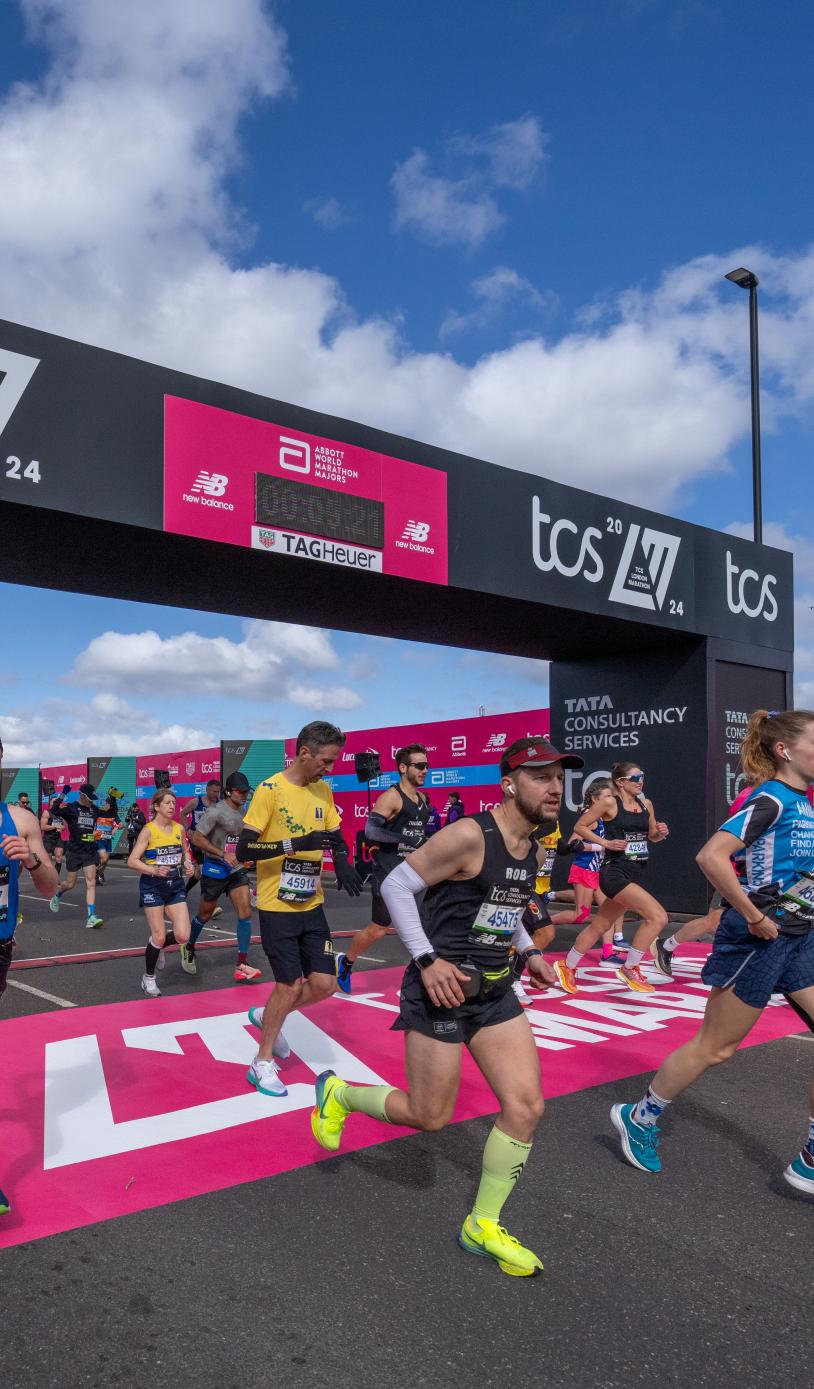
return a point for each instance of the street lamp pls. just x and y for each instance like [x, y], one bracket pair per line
[747, 280]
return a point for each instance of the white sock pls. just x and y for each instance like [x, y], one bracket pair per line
[633, 958]
[670, 944]
[573, 958]
[649, 1109]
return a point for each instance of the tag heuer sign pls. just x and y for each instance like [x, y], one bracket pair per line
[267, 539]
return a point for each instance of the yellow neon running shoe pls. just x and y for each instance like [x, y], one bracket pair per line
[491, 1241]
[566, 976]
[635, 980]
[328, 1118]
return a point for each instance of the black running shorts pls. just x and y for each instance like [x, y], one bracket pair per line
[80, 856]
[297, 944]
[459, 1025]
[379, 914]
[213, 888]
[617, 874]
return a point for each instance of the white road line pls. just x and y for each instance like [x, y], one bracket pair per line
[40, 993]
[219, 931]
[376, 959]
[34, 897]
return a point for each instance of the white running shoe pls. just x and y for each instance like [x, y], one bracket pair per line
[253, 900]
[281, 1048]
[216, 913]
[521, 994]
[149, 986]
[265, 1077]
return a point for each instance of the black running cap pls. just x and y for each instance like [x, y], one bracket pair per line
[535, 752]
[87, 790]
[237, 781]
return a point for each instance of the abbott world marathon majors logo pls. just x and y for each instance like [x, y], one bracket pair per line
[643, 573]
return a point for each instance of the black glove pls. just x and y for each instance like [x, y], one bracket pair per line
[347, 877]
[569, 846]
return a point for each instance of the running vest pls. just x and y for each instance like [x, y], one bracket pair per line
[475, 920]
[410, 825]
[591, 857]
[200, 810]
[9, 880]
[166, 848]
[81, 822]
[633, 827]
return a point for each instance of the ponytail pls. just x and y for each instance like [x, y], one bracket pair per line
[764, 729]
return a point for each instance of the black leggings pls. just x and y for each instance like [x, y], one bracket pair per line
[6, 948]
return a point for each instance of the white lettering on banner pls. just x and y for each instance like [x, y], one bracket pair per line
[640, 587]
[587, 562]
[592, 723]
[79, 1123]
[17, 372]
[313, 547]
[736, 581]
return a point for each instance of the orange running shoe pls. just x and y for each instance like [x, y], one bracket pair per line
[635, 980]
[566, 976]
[247, 974]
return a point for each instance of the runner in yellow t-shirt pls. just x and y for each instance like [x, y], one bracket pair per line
[291, 818]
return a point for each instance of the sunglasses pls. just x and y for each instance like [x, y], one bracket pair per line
[638, 777]
[420, 766]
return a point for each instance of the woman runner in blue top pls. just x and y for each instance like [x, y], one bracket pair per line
[765, 942]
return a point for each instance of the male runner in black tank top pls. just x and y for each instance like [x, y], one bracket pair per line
[479, 879]
[396, 827]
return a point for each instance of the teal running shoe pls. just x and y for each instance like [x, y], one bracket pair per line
[640, 1142]
[800, 1173]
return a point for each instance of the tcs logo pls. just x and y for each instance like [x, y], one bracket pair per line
[747, 593]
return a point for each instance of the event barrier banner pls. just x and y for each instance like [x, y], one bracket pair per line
[257, 758]
[189, 772]
[114, 774]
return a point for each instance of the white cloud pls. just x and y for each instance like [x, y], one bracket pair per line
[330, 213]
[62, 731]
[267, 664]
[493, 293]
[120, 233]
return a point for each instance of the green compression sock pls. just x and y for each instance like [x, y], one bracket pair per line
[503, 1160]
[365, 1099]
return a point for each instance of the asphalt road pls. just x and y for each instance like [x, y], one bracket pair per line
[347, 1273]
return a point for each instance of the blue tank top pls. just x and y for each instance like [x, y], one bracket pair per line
[592, 856]
[9, 880]
[776, 826]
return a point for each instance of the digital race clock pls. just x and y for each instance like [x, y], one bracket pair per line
[298, 506]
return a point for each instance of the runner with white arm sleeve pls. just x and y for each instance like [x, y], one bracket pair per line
[478, 875]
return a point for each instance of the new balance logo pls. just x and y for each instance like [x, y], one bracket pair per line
[416, 530]
[496, 740]
[15, 373]
[211, 484]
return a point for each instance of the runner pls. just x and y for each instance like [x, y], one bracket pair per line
[24, 800]
[455, 808]
[293, 926]
[80, 818]
[216, 836]
[584, 874]
[107, 823]
[190, 818]
[52, 827]
[160, 856]
[478, 876]
[765, 942]
[628, 831]
[396, 825]
[664, 950]
[21, 846]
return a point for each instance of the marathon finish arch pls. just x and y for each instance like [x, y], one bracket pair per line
[192, 493]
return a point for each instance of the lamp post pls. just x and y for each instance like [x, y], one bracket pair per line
[747, 280]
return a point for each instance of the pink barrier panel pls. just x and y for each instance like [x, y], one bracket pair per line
[189, 771]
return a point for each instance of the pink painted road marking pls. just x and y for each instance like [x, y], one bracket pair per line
[96, 1103]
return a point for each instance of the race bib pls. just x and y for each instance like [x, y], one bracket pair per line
[169, 855]
[299, 879]
[798, 897]
[229, 849]
[4, 872]
[497, 921]
[636, 849]
[547, 866]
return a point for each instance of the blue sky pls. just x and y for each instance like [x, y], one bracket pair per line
[390, 211]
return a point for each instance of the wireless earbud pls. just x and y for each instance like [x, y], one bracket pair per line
[510, 790]
[786, 756]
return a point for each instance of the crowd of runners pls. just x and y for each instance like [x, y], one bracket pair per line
[471, 903]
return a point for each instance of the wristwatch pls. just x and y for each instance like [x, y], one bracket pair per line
[529, 953]
[424, 961]
[37, 862]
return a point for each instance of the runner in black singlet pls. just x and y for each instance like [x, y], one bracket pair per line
[629, 832]
[52, 827]
[80, 817]
[396, 827]
[478, 875]
[190, 817]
